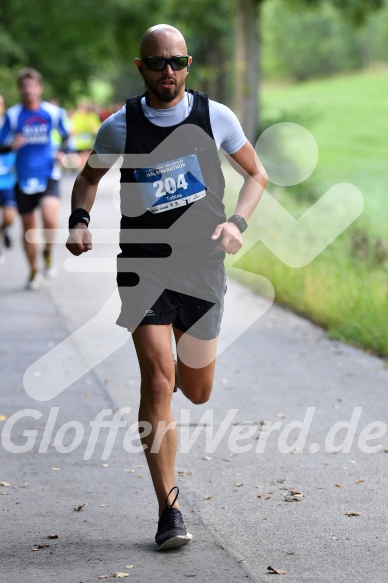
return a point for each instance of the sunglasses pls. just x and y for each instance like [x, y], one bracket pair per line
[158, 63]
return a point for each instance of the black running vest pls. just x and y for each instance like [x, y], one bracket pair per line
[191, 236]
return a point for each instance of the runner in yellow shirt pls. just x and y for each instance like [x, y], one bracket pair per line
[85, 124]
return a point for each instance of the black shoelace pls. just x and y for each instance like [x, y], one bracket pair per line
[168, 507]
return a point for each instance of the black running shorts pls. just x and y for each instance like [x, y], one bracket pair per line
[190, 298]
[27, 203]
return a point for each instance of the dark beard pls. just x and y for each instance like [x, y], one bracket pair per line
[166, 95]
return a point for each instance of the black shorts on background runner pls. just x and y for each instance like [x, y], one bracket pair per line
[27, 203]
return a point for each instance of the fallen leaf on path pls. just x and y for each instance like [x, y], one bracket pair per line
[105, 465]
[339, 485]
[294, 492]
[385, 451]
[359, 481]
[351, 513]
[239, 485]
[39, 547]
[290, 553]
[130, 471]
[185, 473]
[263, 496]
[121, 575]
[207, 498]
[56, 469]
[52, 536]
[79, 508]
[3, 417]
[4, 484]
[276, 571]
[104, 577]
[207, 458]
[129, 566]
[3, 493]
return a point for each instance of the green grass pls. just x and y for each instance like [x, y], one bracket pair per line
[345, 288]
[348, 118]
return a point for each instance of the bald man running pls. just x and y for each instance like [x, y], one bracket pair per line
[173, 288]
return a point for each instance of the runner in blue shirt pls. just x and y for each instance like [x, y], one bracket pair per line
[27, 130]
[7, 190]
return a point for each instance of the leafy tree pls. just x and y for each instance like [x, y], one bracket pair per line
[208, 28]
[248, 26]
[302, 44]
[69, 42]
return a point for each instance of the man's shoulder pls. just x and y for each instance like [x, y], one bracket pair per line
[14, 109]
[222, 114]
[13, 114]
[51, 108]
[216, 106]
[115, 118]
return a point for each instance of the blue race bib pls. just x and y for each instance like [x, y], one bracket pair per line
[171, 184]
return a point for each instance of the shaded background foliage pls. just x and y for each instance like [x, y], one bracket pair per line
[74, 43]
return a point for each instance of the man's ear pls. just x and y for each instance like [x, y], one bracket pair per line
[139, 66]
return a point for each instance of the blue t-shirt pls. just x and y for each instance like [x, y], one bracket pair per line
[7, 171]
[35, 161]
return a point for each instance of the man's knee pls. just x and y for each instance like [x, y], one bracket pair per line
[157, 388]
[200, 399]
[198, 393]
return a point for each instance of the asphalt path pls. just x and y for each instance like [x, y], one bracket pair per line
[284, 467]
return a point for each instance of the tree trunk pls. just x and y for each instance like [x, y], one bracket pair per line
[247, 66]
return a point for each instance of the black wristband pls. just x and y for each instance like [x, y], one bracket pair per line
[239, 221]
[79, 216]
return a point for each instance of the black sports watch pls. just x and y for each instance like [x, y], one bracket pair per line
[239, 221]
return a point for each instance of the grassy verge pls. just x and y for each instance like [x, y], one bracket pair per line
[345, 288]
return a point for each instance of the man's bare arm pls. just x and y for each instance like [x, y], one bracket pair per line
[246, 163]
[83, 197]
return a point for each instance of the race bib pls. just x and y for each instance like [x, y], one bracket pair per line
[32, 185]
[171, 184]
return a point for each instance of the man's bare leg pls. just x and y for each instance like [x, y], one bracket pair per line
[50, 213]
[9, 214]
[29, 221]
[195, 381]
[153, 345]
